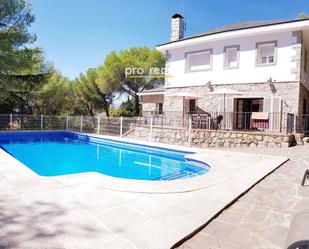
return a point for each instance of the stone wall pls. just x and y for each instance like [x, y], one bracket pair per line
[149, 102]
[211, 138]
[288, 91]
[303, 95]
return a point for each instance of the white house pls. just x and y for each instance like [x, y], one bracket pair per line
[267, 61]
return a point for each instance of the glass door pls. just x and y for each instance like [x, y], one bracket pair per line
[245, 107]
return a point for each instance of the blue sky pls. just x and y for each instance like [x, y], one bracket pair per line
[78, 34]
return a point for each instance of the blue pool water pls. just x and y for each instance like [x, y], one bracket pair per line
[62, 153]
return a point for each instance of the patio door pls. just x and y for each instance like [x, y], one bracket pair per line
[244, 109]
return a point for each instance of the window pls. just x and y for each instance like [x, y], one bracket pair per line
[198, 61]
[192, 105]
[231, 56]
[266, 53]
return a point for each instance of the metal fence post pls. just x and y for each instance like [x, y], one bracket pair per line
[150, 133]
[67, 123]
[81, 123]
[98, 128]
[121, 123]
[11, 121]
[190, 129]
[41, 121]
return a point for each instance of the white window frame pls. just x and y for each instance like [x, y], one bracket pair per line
[264, 44]
[187, 58]
[226, 49]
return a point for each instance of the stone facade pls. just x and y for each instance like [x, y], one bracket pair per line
[149, 103]
[290, 98]
[303, 99]
[210, 138]
[287, 91]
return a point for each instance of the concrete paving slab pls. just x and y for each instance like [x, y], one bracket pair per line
[91, 210]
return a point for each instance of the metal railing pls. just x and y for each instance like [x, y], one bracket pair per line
[184, 126]
[240, 121]
[301, 123]
[114, 126]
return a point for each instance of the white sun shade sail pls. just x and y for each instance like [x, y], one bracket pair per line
[225, 91]
[185, 95]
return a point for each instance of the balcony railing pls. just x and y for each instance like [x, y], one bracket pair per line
[242, 121]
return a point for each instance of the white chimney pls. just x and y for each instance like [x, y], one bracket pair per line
[178, 27]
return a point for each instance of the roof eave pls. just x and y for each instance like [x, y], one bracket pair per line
[150, 93]
[267, 28]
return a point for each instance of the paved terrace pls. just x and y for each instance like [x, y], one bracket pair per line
[261, 218]
[85, 211]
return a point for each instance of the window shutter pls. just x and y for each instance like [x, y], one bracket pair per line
[267, 104]
[273, 105]
[276, 105]
[229, 109]
[229, 104]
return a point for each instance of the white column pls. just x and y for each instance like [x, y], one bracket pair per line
[121, 123]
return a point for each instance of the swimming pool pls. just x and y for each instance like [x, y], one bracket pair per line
[63, 153]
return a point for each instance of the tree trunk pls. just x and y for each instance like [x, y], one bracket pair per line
[106, 109]
[136, 103]
[90, 109]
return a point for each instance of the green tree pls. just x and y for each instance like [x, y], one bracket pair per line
[303, 16]
[21, 89]
[112, 72]
[92, 92]
[22, 69]
[126, 109]
[22, 93]
[85, 102]
[54, 96]
[15, 19]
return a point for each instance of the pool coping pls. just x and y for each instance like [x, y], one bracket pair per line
[217, 174]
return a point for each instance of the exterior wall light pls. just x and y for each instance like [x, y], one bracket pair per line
[270, 81]
[208, 84]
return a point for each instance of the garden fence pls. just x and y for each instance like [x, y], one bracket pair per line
[124, 126]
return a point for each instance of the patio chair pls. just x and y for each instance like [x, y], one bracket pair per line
[298, 235]
[216, 122]
[219, 120]
[195, 121]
